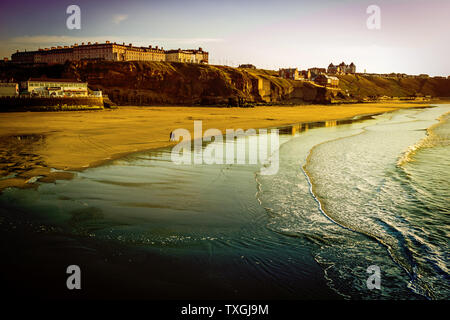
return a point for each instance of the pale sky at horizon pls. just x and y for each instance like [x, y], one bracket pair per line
[269, 34]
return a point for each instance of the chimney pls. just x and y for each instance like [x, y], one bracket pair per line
[150, 47]
[130, 44]
[200, 49]
[156, 47]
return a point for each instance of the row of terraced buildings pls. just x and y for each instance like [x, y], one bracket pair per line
[109, 51]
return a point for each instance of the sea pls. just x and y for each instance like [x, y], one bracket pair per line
[349, 196]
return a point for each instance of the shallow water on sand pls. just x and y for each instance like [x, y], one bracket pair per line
[348, 194]
[367, 193]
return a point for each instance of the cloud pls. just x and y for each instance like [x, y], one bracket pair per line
[118, 18]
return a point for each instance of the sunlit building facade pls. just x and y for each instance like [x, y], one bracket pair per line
[109, 52]
[45, 87]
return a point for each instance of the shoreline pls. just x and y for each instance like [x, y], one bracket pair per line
[33, 150]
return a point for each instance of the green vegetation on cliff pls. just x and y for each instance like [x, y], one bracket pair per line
[374, 86]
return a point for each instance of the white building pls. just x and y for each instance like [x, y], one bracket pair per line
[97, 93]
[9, 89]
[45, 87]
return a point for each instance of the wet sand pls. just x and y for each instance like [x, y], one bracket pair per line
[32, 144]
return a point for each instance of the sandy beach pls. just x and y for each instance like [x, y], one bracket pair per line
[34, 143]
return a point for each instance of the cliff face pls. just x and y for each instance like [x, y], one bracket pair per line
[373, 86]
[153, 83]
[147, 83]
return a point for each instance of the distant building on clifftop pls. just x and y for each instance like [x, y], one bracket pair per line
[341, 69]
[289, 73]
[189, 56]
[314, 72]
[247, 66]
[109, 52]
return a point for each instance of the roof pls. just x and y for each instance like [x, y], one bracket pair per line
[54, 80]
[87, 45]
[189, 51]
[322, 76]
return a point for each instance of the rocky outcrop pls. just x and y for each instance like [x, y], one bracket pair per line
[150, 83]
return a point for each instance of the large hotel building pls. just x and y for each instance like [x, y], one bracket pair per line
[110, 52]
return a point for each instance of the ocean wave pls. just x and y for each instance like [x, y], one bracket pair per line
[432, 139]
[377, 229]
[357, 185]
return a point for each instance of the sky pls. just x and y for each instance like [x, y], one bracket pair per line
[413, 36]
